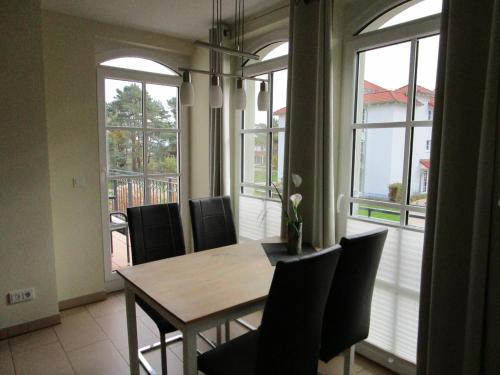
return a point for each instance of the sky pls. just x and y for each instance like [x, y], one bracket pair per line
[389, 66]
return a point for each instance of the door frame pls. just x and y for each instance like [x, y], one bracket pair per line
[409, 31]
[111, 280]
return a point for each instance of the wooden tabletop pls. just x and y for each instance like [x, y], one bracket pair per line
[198, 285]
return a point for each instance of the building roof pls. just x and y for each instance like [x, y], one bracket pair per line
[386, 97]
[375, 94]
[420, 89]
[426, 163]
[280, 111]
[371, 87]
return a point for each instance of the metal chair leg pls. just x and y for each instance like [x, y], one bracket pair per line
[227, 329]
[111, 241]
[142, 360]
[349, 360]
[245, 324]
[163, 347]
[128, 252]
[219, 334]
[207, 340]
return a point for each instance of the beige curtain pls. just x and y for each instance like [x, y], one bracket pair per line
[309, 129]
[460, 292]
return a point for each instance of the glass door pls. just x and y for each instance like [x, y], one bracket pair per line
[386, 146]
[140, 149]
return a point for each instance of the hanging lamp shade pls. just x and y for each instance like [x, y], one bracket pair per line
[187, 90]
[263, 98]
[240, 96]
[215, 93]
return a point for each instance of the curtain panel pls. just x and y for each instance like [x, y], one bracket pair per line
[459, 305]
[309, 149]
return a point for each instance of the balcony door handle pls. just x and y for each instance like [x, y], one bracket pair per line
[340, 203]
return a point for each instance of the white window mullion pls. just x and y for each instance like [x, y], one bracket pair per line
[144, 143]
[408, 131]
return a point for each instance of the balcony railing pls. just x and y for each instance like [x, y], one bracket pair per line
[131, 191]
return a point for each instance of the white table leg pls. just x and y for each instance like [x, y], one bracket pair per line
[132, 332]
[190, 356]
[349, 360]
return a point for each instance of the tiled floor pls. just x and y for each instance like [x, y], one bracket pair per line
[119, 255]
[93, 340]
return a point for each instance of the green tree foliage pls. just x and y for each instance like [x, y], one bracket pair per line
[125, 147]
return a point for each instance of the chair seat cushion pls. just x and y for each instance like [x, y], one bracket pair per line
[238, 356]
[163, 325]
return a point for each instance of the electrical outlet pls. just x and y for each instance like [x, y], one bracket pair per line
[21, 295]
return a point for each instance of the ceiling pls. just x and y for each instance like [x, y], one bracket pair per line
[189, 19]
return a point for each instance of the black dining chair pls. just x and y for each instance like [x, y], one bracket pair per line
[212, 222]
[213, 226]
[156, 233]
[288, 340]
[347, 313]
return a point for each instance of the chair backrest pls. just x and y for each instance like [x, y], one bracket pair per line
[212, 222]
[155, 232]
[290, 333]
[347, 312]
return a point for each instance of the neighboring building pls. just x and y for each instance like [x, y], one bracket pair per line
[381, 151]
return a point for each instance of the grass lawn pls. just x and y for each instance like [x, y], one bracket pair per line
[363, 211]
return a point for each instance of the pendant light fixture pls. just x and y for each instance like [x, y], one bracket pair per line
[216, 96]
[263, 98]
[240, 96]
[187, 90]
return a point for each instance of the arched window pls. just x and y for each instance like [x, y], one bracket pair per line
[140, 131]
[262, 146]
[406, 12]
[139, 64]
[269, 52]
[386, 127]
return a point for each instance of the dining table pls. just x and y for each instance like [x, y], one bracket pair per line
[199, 291]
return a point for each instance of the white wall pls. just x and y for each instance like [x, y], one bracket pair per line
[26, 247]
[70, 47]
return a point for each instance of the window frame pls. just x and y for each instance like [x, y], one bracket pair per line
[407, 32]
[410, 31]
[265, 67]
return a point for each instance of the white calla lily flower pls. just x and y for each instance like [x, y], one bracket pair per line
[296, 179]
[296, 199]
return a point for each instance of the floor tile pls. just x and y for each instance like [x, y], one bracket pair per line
[32, 340]
[78, 329]
[336, 366]
[100, 358]
[148, 322]
[45, 359]
[6, 364]
[174, 364]
[370, 367]
[110, 305]
[115, 328]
